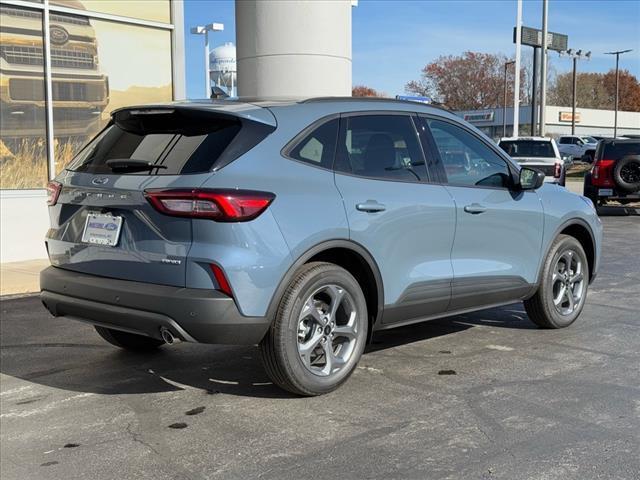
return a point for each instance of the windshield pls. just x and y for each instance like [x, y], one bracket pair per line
[589, 140]
[528, 148]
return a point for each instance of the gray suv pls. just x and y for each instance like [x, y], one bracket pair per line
[304, 226]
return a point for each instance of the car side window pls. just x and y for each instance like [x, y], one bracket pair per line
[564, 140]
[318, 147]
[467, 161]
[381, 146]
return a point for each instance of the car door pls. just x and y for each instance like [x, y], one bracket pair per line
[394, 211]
[498, 230]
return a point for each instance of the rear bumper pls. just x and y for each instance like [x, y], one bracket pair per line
[195, 315]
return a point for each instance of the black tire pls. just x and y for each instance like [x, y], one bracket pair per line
[540, 307]
[279, 348]
[626, 173]
[129, 341]
[588, 156]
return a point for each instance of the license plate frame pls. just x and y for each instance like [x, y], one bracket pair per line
[605, 192]
[102, 229]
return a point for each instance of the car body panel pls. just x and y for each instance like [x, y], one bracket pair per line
[496, 250]
[431, 257]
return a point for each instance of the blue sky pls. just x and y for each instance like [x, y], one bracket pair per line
[393, 40]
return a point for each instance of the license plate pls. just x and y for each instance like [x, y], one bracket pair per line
[101, 229]
[605, 192]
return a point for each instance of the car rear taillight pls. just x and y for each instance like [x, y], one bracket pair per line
[53, 192]
[557, 171]
[220, 205]
[602, 173]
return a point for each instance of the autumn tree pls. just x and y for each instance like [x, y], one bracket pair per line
[364, 91]
[596, 90]
[628, 90]
[467, 82]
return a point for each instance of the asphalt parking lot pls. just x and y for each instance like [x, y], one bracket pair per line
[484, 396]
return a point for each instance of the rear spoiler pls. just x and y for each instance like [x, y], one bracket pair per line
[194, 118]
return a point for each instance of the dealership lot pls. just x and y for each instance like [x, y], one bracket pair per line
[484, 395]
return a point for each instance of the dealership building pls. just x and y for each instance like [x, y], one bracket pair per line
[64, 66]
[589, 121]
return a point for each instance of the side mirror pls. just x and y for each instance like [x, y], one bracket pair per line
[530, 179]
[580, 143]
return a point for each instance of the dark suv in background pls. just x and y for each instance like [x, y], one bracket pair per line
[615, 174]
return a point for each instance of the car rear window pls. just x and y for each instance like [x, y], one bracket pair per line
[526, 148]
[617, 150]
[170, 142]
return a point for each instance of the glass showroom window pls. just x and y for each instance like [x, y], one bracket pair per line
[23, 152]
[103, 66]
[152, 10]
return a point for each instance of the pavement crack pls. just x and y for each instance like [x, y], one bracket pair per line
[136, 437]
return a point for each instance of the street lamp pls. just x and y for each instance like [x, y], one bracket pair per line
[504, 103]
[204, 30]
[575, 55]
[615, 121]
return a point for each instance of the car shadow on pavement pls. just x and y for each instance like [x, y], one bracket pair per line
[70, 356]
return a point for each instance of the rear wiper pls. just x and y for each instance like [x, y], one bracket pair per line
[131, 165]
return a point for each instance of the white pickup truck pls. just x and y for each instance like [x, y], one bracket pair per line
[540, 153]
[580, 147]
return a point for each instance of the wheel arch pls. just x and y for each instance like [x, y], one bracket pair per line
[349, 255]
[581, 231]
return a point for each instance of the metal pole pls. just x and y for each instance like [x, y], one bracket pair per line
[615, 121]
[207, 81]
[534, 92]
[543, 70]
[504, 103]
[516, 84]
[573, 104]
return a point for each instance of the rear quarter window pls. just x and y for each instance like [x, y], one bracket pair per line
[618, 150]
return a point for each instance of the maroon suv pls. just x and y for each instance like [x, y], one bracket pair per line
[615, 174]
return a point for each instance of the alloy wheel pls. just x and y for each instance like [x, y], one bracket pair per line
[327, 330]
[568, 282]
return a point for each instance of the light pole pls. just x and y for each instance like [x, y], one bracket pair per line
[575, 55]
[204, 30]
[615, 121]
[543, 69]
[504, 103]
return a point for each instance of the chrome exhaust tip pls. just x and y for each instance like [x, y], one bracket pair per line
[167, 336]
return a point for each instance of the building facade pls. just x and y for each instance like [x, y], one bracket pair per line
[65, 65]
[589, 121]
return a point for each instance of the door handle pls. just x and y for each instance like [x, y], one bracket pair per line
[475, 208]
[371, 206]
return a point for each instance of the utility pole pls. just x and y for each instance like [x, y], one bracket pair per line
[516, 83]
[575, 57]
[504, 103]
[204, 30]
[534, 92]
[615, 121]
[543, 69]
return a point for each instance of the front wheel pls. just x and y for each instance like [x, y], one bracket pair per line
[563, 287]
[319, 333]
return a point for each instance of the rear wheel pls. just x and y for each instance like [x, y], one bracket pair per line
[563, 288]
[319, 333]
[128, 341]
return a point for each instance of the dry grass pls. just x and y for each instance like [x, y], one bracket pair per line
[23, 163]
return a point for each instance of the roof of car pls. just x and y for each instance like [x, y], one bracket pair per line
[530, 139]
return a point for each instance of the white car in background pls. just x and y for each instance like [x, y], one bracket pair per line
[540, 153]
[580, 147]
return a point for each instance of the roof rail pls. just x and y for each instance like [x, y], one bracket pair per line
[371, 99]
